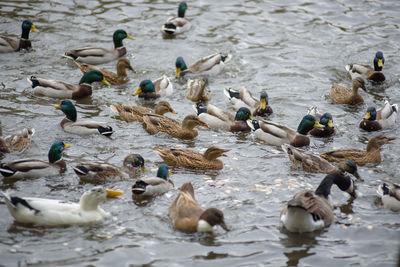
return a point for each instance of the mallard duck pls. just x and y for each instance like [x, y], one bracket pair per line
[153, 186]
[154, 123]
[84, 127]
[209, 65]
[10, 45]
[113, 78]
[244, 98]
[371, 155]
[100, 172]
[60, 89]
[193, 160]
[367, 72]
[343, 95]
[309, 211]
[390, 196]
[325, 120]
[383, 118]
[218, 119]
[311, 162]
[17, 142]
[146, 90]
[187, 215]
[177, 25]
[33, 168]
[96, 56]
[275, 134]
[135, 113]
[163, 86]
[196, 90]
[51, 212]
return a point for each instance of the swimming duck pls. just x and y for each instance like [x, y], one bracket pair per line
[60, 89]
[343, 95]
[100, 172]
[325, 120]
[275, 134]
[96, 56]
[17, 142]
[309, 211]
[361, 157]
[163, 86]
[153, 186]
[383, 118]
[193, 160]
[51, 212]
[10, 45]
[154, 123]
[135, 113]
[244, 98]
[196, 90]
[84, 127]
[311, 162]
[177, 25]
[113, 78]
[33, 168]
[187, 215]
[367, 72]
[218, 119]
[390, 196]
[209, 65]
[146, 90]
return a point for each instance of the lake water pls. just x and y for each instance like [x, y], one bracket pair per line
[294, 49]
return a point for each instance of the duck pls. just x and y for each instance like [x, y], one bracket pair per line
[344, 95]
[218, 119]
[18, 141]
[8, 44]
[309, 211]
[99, 172]
[163, 86]
[244, 98]
[191, 159]
[113, 78]
[311, 162]
[374, 74]
[154, 123]
[390, 196]
[84, 127]
[60, 89]
[135, 113]
[177, 25]
[375, 120]
[34, 168]
[372, 153]
[153, 186]
[209, 65]
[96, 56]
[52, 212]
[187, 215]
[196, 90]
[326, 120]
[275, 134]
[146, 90]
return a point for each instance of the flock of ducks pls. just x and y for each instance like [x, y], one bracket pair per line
[307, 211]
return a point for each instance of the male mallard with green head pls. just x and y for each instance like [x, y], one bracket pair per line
[177, 25]
[375, 120]
[153, 186]
[10, 45]
[366, 71]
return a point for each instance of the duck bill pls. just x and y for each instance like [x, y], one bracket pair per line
[330, 123]
[250, 117]
[105, 82]
[67, 145]
[225, 151]
[143, 169]
[391, 139]
[138, 91]
[178, 73]
[130, 37]
[172, 111]
[263, 103]
[367, 116]
[33, 28]
[357, 175]
[114, 193]
[224, 226]
[58, 106]
[318, 125]
[380, 63]
[203, 124]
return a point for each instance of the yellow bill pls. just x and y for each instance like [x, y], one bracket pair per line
[33, 28]
[130, 37]
[178, 73]
[138, 91]
[143, 168]
[114, 193]
[367, 116]
[58, 106]
[330, 123]
[105, 82]
[67, 145]
[380, 62]
[318, 125]
[263, 103]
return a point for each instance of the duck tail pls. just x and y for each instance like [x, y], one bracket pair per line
[139, 187]
[80, 170]
[187, 188]
[226, 58]
[231, 93]
[105, 130]
[199, 108]
[395, 108]
[69, 55]
[253, 124]
[33, 81]
[169, 28]
[348, 67]
[5, 170]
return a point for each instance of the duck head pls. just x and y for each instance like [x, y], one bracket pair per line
[56, 149]
[379, 60]
[209, 218]
[214, 152]
[371, 114]
[349, 166]
[93, 76]
[180, 66]
[182, 9]
[120, 35]
[27, 26]
[263, 100]
[68, 109]
[145, 86]
[91, 199]
[307, 123]
[163, 172]
[191, 121]
[326, 120]
[134, 161]
[243, 114]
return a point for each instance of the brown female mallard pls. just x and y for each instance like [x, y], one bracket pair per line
[361, 157]
[196, 90]
[191, 159]
[17, 142]
[154, 123]
[343, 95]
[135, 113]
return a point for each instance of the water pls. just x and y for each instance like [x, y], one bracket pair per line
[296, 50]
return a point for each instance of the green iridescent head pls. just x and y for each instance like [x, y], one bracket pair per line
[180, 66]
[120, 35]
[68, 109]
[55, 152]
[145, 86]
[163, 172]
[307, 123]
[93, 76]
[243, 114]
[27, 26]
[182, 9]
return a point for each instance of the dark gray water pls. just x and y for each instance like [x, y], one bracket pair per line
[294, 49]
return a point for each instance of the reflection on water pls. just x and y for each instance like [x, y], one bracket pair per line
[298, 245]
